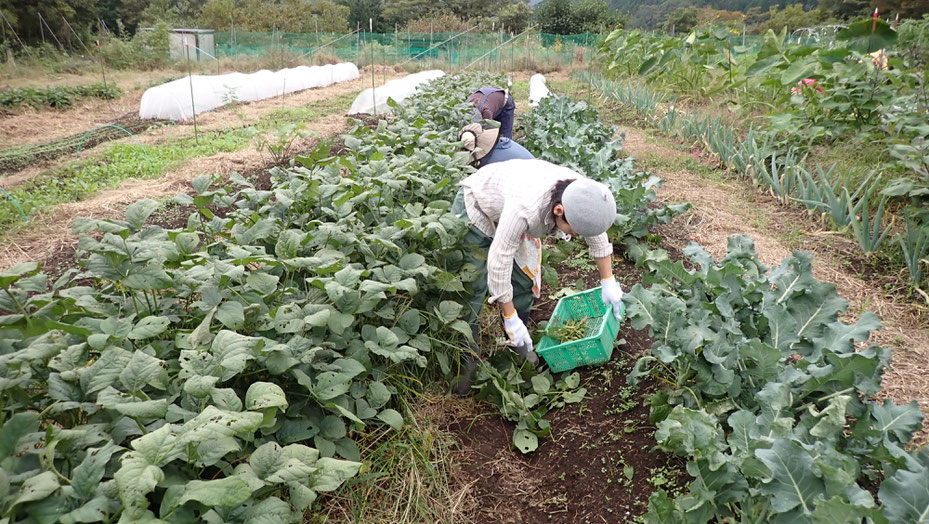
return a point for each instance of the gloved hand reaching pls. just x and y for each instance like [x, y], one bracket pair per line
[612, 295]
[519, 336]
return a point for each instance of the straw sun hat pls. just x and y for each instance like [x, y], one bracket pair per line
[479, 140]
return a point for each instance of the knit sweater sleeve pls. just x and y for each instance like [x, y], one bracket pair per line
[500, 257]
[599, 245]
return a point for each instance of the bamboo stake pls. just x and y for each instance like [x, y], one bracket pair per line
[28, 52]
[42, 20]
[190, 78]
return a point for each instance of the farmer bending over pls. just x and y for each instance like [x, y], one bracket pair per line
[494, 103]
[488, 147]
[509, 206]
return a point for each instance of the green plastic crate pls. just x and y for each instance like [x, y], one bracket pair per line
[602, 329]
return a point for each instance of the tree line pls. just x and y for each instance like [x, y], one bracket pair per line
[758, 15]
[62, 22]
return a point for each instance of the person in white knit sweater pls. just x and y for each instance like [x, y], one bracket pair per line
[510, 203]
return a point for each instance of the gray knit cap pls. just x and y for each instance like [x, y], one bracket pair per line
[589, 207]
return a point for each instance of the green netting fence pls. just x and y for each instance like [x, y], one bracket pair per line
[457, 49]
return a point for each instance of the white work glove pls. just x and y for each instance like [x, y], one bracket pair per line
[519, 337]
[612, 295]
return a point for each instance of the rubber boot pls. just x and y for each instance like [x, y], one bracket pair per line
[466, 371]
[468, 365]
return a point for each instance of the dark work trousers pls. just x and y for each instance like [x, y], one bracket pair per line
[477, 246]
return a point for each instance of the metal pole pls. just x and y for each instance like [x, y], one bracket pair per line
[190, 78]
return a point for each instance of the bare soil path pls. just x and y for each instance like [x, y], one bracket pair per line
[724, 206]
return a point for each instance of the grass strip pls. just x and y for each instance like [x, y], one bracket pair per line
[121, 162]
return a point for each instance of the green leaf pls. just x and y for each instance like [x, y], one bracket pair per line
[691, 432]
[138, 212]
[149, 327]
[211, 435]
[525, 441]
[231, 314]
[796, 72]
[231, 352]
[572, 381]
[98, 509]
[263, 283]
[339, 322]
[288, 243]
[448, 310]
[840, 337]
[87, 475]
[37, 487]
[378, 395]
[831, 419]
[229, 491]
[15, 428]
[199, 386]
[392, 418]
[900, 421]
[331, 473]
[411, 261]
[263, 395]
[464, 328]
[740, 440]
[860, 37]
[838, 511]
[792, 481]
[330, 384]
[781, 326]
[18, 271]
[143, 370]
[148, 277]
[135, 480]
[541, 384]
[332, 428]
[105, 370]
[318, 319]
[291, 464]
[410, 321]
[143, 409]
[187, 242]
[905, 495]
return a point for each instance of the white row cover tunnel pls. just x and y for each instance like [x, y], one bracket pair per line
[537, 89]
[172, 100]
[373, 100]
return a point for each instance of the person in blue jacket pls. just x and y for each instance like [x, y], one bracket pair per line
[487, 146]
